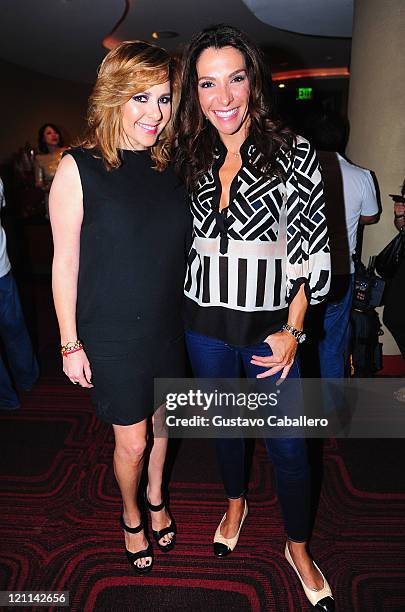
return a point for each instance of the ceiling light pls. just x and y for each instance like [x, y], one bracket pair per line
[164, 34]
[281, 85]
[303, 73]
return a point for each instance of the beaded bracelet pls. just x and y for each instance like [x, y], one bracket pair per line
[67, 353]
[71, 347]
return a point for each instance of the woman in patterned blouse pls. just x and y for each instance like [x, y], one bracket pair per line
[259, 256]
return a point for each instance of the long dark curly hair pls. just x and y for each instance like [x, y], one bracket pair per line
[197, 138]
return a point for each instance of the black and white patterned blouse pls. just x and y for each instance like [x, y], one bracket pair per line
[248, 261]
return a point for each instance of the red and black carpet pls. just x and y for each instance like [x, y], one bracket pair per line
[59, 509]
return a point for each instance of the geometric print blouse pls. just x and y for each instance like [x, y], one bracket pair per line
[247, 262]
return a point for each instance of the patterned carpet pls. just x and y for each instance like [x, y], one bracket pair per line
[59, 508]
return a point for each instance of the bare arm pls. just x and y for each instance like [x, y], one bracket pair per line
[66, 215]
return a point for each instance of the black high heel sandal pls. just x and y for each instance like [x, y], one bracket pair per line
[132, 557]
[158, 535]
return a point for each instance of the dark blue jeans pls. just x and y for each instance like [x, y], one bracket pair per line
[212, 358]
[17, 345]
[334, 346]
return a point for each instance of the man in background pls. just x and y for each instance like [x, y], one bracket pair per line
[16, 343]
[351, 200]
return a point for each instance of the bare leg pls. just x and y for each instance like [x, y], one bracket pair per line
[130, 443]
[157, 457]
[304, 565]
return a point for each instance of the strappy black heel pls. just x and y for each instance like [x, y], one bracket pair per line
[132, 557]
[158, 535]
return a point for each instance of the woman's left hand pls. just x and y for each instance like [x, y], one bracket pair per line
[284, 347]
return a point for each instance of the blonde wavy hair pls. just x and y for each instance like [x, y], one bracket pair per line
[130, 68]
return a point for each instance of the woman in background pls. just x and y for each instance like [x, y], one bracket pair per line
[259, 256]
[51, 148]
[120, 224]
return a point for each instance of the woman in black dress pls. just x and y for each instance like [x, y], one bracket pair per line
[120, 226]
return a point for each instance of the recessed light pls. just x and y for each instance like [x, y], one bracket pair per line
[281, 85]
[164, 34]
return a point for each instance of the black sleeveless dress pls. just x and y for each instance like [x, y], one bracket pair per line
[133, 248]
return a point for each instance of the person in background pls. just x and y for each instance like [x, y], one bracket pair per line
[252, 269]
[120, 225]
[13, 332]
[393, 315]
[351, 199]
[50, 150]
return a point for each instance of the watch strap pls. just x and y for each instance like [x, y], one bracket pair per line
[298, 334]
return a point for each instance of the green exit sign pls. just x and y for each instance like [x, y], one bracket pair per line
[304, 93]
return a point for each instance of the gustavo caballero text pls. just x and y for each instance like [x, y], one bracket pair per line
[221, 421]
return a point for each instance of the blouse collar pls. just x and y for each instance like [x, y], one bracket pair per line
[246, 150]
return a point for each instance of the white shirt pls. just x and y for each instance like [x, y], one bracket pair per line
[350, 194]
[4, 261]
[360, 197]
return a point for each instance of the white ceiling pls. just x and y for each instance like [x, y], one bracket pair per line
[326, 18]
[63, 38]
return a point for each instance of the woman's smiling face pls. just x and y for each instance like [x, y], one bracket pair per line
[223, 88]
[144, 117]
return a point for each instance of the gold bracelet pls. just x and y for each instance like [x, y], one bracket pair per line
[69, 347]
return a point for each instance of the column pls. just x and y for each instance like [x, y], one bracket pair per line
[377, 111]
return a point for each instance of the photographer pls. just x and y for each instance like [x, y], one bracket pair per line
[393, 316]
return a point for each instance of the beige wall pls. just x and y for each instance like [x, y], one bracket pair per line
[29, 99]
[377, 110]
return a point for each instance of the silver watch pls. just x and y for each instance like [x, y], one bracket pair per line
[298, 334]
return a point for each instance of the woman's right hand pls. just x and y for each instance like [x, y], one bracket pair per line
[76, 366]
